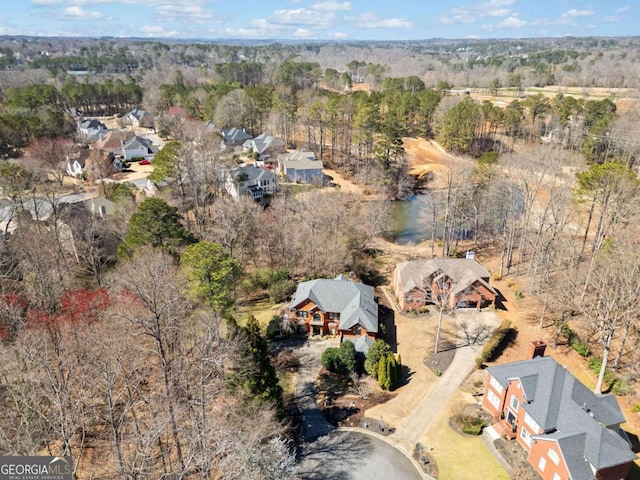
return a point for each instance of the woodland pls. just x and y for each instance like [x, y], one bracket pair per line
[121, 342]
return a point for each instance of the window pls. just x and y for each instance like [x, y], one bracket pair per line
[357, 330]
[496, 384]
[514, 403]
[334, 316]
[302, 313]
[526, 436]
[493, 399]
[542, 463]
[553, 456]
[531, 422]
[556, 476]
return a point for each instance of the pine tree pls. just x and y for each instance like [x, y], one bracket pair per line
[391, 382]
[382, 372]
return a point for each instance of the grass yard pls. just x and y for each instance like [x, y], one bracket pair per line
[455, 453]
[263, 310]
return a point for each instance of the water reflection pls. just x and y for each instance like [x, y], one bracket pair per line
[410, 221]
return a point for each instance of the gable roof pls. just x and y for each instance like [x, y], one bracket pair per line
[234, 135]
[299, 160]
[112, 140]
[262, 142]
[137, 113]
[362, 343]
[564, 407]
[354, 301]
[253, 173]
[137, 142]
[462, 271]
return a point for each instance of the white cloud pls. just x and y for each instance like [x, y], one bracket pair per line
[77, 13]
[512, 22]
[194, 13]
[157, 31]
[577, 13]
[46, 2]
[626, 8]
[332, 6]
[302, 33]
[301, 17]
[339, 35]
[371, 20]
[473, 12]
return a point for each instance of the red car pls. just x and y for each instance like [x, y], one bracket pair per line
[145, 162]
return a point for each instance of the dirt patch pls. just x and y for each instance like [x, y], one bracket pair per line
[423, 456]
[439, 362]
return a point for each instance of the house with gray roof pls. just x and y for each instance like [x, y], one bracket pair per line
[252, 181]
[234, 136]
[266, 146]
[336, 307]
[458, 282]
[567, 431]
[301, 166]
[90, 128]
[138, 147]
[138, 118]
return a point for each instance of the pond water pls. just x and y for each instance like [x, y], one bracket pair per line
[409, 220]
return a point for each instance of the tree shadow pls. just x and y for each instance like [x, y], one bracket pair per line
[387, 323]
[334, 455]
[501, 301]
[509, 339]
[405, 376]
[473, 336]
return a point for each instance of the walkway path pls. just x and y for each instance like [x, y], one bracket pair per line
[313, 423]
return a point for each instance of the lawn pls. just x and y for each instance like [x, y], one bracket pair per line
[264, 311]
[461, 457]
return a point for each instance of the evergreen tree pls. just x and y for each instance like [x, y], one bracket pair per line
[347, 356]
[382, 372]
[377, 350]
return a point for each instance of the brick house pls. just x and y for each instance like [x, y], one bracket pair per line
[458, 281]
[336, 307]
[567, 431]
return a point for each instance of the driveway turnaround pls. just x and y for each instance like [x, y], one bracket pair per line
[349, 455]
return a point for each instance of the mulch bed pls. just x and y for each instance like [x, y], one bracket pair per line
[439, 362]
[425, 459]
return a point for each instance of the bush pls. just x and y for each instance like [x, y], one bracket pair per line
[377, 350]
[582, 348]
[519, 295]
[473, 426]
[281, 290]
[622, 388]
[331, 359]
[635, 408]
[494, 342]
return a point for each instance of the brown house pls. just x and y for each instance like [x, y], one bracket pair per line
[336, 307]
[458, 282]
[566, 430]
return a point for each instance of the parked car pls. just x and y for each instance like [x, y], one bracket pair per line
[145, 162]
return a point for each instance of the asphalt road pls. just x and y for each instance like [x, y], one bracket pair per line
[348, 455]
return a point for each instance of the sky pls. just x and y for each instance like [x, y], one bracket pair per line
[320, 19]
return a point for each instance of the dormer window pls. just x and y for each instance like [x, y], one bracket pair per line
[357, 330]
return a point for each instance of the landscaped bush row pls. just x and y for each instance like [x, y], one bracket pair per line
[494, 343]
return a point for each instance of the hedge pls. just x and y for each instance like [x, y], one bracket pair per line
[494, 342]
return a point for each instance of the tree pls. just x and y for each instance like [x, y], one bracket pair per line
[157, 224]
[378, 349]
[456, 131]
[330, 359]
[212, 273]
[49, 156]
[382, 372]
[348, 357]
[165, 162]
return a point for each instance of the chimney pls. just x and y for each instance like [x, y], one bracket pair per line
[537, 348]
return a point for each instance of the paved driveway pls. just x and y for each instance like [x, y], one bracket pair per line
[348, 455]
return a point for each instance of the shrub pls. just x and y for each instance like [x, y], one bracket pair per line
[519, 295]
[494, 342]
[622, 388]
[348, 357]
[377, 350]
[473, 426]
[495, 276]
[331, 359]
[280, 290]
[635, 408]
[582, 348]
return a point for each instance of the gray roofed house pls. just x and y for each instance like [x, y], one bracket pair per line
[337, 306]
[461, 282]
[234, 136]
[138, 118]
[91, 128]
[546, 409]
[301, 166]
[138, 147]
[252, 181]
[265, 145]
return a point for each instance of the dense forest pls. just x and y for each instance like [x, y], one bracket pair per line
[121, 342]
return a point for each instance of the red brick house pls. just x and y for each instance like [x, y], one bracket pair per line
[336, 307]
[459, 282]
[567, 431]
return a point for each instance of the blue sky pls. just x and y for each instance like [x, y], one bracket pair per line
[320, 19]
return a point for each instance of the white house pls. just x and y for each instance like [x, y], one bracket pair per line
[250, 180]
[139, 148]
[301, 166]
[265, 145]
